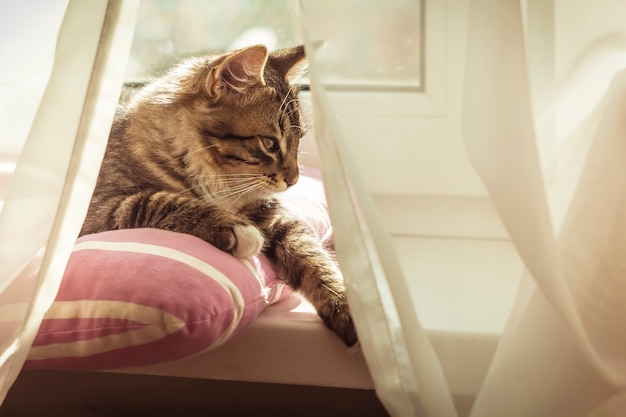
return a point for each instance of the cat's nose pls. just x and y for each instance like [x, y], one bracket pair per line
[292, 177]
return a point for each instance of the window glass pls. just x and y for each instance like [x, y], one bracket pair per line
[366, 45]
[168, 30]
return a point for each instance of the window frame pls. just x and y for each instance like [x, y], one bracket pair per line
[427, 100]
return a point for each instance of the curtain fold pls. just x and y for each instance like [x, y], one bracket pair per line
[554, 171]
[50, 189]
[406, 371]
[562, 352]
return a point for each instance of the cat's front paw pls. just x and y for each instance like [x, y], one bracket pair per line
[246, 241]
[336, 316]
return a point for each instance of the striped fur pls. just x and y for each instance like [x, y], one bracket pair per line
[204, 150]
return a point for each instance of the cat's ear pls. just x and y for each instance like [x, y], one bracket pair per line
[238, 71]
[290, 62]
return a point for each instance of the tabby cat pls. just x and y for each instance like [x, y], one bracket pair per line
[204, 150]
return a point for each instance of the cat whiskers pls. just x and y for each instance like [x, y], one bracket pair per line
[283, 111]
[305, 130]
[227, 189]
[285, 102]
[241, 193]
[236, 187]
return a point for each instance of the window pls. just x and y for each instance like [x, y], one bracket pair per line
[369, 47]
[168, 30]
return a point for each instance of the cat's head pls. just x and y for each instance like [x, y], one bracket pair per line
[243, 120]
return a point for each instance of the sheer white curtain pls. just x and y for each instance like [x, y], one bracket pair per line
[546, 134]
[405, 369]
[60, 82]
[561, 193]
[548, 142]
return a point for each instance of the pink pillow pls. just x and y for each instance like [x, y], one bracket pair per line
[141, 296]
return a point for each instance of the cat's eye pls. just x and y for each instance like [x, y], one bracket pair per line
[270, 144]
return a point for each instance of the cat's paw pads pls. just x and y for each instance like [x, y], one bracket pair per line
[247, 241]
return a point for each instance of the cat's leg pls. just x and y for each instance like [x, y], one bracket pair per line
[306, 266]
[168, 211]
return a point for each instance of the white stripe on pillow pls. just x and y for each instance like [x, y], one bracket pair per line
[173, 254]
[255, 272]
[167, 323]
